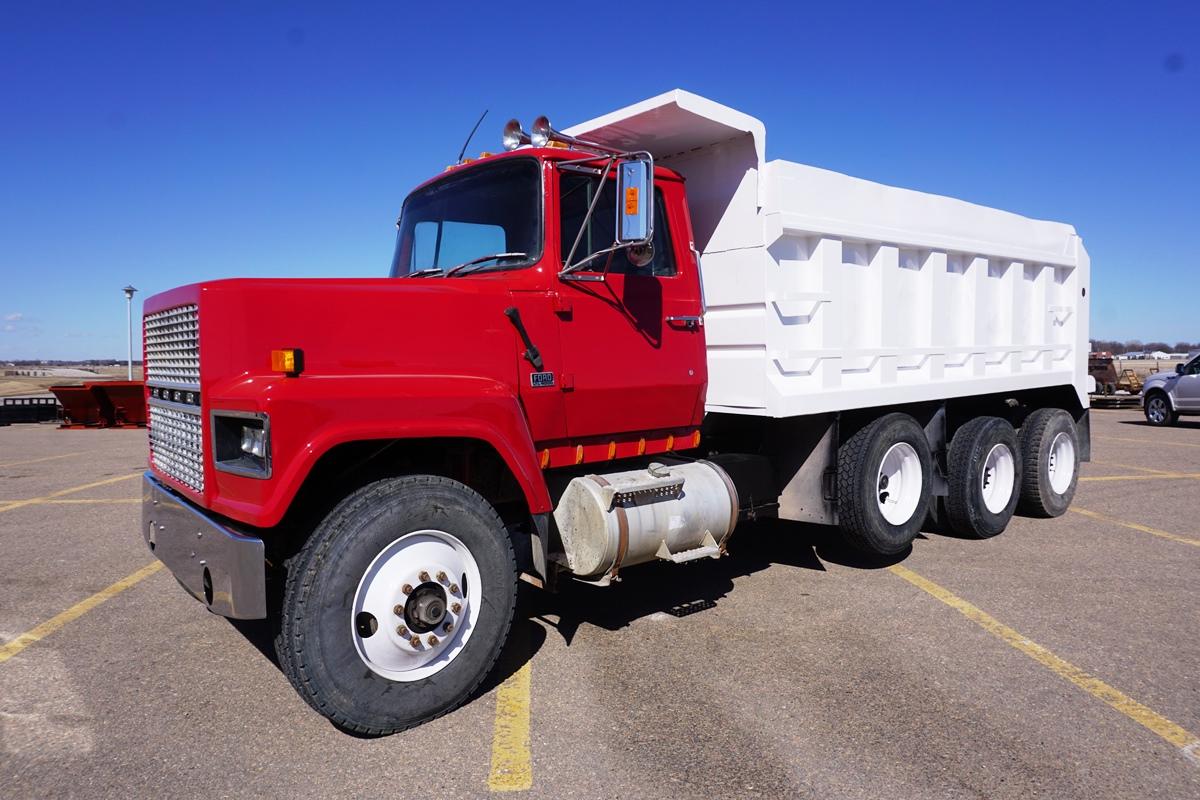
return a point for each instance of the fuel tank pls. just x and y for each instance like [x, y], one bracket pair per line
[677, 512]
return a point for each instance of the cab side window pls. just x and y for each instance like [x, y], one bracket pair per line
[577, 194]
[1193, 368]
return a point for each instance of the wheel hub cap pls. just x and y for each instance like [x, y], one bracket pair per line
[404, 633]
[426, 607]
[899, 483]
[1060, 468]
[998, 478]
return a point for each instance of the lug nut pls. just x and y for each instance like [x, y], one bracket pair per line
[449, 626]
[406, 588]
[415, 641]
[442, 577]
[454, 588]
[433, 640]
[455, 607]
[398, 610]
[402, 631]
[424, 576]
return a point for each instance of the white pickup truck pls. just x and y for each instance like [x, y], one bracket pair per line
[1166, 396]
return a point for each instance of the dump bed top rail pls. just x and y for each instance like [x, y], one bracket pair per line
[722, 153]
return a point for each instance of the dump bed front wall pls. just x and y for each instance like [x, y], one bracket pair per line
[867, 295]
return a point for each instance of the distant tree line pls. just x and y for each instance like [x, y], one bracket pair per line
[1138, 346]
[91, 362]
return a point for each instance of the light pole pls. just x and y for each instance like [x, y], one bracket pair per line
[129, 290]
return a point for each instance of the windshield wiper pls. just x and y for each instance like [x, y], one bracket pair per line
[483, 260]
[421, 273]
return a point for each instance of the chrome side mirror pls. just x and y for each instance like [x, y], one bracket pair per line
[635, 203]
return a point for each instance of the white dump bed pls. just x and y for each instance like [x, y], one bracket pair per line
[825, 292]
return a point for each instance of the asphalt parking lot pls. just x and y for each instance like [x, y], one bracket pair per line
[1058, 659]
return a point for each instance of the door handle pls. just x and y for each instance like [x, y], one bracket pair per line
[690, 321]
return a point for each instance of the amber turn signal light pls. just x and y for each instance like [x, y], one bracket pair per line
[290, 362]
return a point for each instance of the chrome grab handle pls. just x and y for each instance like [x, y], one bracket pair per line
[688, 321]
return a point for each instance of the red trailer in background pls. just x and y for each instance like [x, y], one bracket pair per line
[122, 403]
[102, 404]
[80, 409]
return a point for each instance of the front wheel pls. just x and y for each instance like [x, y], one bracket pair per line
[398, 605]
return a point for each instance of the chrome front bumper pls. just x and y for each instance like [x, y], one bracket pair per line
[221, 568]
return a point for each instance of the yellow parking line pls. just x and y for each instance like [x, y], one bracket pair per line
[1133, 526]
[512, 764]
[1187, 742]
[39, 460]
[1159, 477]
[11, 504]
[76, 611]
[1148, 442]
[85, 501]
[1136, 468]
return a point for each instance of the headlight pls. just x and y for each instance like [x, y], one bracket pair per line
[254, 440]
[242, 443]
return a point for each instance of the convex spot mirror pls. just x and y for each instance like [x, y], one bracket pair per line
[635, 203]
[639, 255]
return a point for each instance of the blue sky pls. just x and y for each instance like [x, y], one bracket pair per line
[167, 143]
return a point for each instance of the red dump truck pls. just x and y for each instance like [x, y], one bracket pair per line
[599, 348]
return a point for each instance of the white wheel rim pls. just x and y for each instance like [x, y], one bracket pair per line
[389, 651]
[1061, 466]
[1157, 409]
[997, 478]
[898, 484]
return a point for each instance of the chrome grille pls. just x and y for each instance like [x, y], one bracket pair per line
[172, 340]
[177, 445]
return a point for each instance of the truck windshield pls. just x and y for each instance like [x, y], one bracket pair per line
[492, 210]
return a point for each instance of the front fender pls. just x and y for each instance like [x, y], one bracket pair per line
[310, 415]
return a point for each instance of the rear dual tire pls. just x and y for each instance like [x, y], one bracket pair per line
[884, 485]
[1050, 463]
[984, 468]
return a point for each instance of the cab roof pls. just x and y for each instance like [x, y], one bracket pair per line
[545, 154]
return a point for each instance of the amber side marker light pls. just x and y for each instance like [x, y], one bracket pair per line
[289, 362]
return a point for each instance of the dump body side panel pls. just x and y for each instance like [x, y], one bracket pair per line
[826, 292]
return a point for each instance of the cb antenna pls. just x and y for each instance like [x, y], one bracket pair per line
[470, 136]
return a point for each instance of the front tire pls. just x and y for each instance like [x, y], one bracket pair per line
[1049, 463]
[398, 605]
[883, 484]
[984, 477]
[1158, 411]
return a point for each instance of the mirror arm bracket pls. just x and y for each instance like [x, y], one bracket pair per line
[588, 218]
[610, 158]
